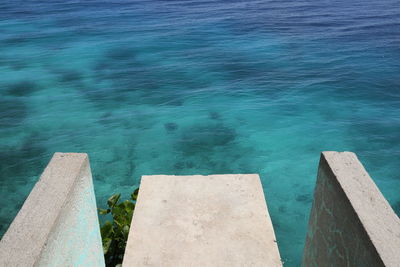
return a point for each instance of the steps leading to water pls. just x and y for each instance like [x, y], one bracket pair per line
[215, 220]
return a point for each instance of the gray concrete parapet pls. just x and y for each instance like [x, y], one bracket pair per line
[351, 223]
[58, 223]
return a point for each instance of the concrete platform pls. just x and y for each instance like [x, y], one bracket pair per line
[216, 220]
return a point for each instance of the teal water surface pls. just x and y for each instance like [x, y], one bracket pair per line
[200, 87]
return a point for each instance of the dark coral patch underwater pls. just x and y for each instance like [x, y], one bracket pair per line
[13, 111]
[22, 88]
[205, 137]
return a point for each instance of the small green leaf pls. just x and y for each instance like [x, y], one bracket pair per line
[125, 231]
[103, 211]
[135, 194]
[106, 230]
[118, 210]
[119, 220]
[129, 206]
[113, 200]
[106, 245]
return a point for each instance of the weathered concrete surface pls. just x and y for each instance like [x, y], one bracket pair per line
[216, 220]
[351, 223]
[57, 225]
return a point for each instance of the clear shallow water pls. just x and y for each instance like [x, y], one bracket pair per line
[200, 87]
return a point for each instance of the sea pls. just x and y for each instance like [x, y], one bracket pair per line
[200, 87]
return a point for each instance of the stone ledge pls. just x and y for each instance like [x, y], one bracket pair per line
[216, 220]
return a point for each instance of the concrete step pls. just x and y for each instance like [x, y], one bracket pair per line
[215, 220]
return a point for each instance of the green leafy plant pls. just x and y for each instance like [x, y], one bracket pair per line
[114, 233]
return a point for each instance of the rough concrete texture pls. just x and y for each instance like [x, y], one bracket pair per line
[57, 225]
[351, 223]
[216, 220]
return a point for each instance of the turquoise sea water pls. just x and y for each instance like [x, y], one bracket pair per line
[200, 87]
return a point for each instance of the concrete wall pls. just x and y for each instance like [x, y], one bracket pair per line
[58, 224]
[351, 223]
[216, 220]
